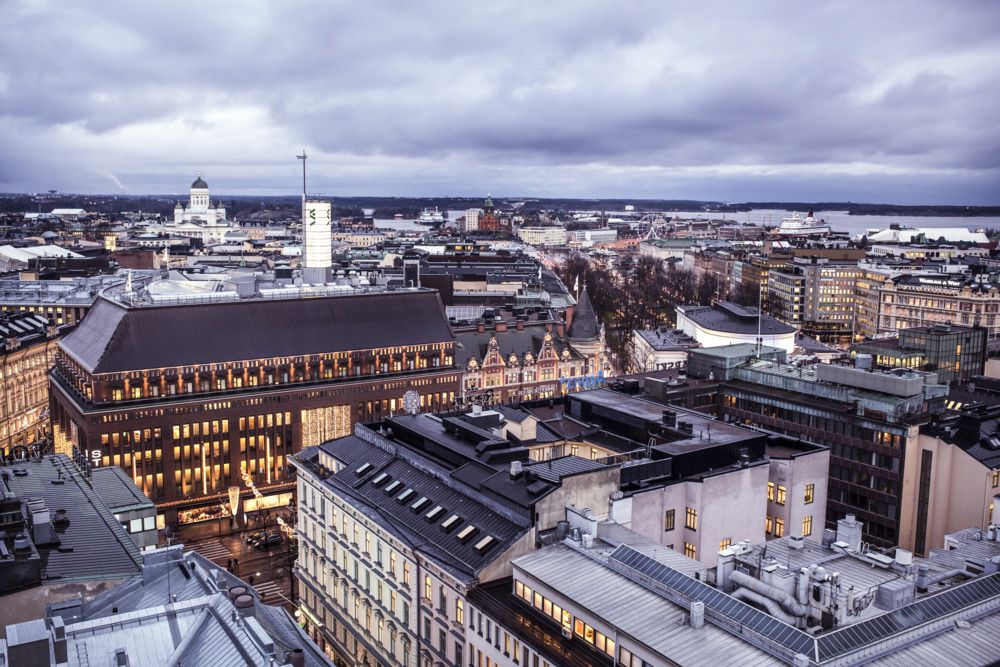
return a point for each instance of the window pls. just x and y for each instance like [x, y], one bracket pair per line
[427, 587]
[770, 491]
[769, 526]
[807, 526]
[459, 610]
[779, 527]
[725, 543]
[810, 491]
[689, 550]
[668, 521]
[406, 573]
[692, 519]
[779, 497]
[443, 599]
[996, 478]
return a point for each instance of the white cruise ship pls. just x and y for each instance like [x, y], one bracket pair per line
[807, 226]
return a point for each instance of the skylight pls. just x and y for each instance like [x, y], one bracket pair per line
[484, 544]
[363, 469]
[381, 479]
[406, 495]
[394, 487]
[420, 504]
[467, 533]
[434, 513]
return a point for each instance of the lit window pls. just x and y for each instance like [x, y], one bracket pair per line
[689, 550]
[780, 495]
[770, 490]
[770, 525]
[807, 526]
[779, 527]
[810, 490]
[692, 519]
[725, 543]
[668, 521]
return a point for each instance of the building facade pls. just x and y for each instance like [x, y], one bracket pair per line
[29, 350]
[190, 400]
[397, 529]
[870, 422]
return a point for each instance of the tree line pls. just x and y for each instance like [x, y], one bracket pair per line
[632, 293]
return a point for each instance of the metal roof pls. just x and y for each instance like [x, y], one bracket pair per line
[636, 610]
[139, 609]
[93, 545]
[117, 489]
[115, 338]
[402, 513]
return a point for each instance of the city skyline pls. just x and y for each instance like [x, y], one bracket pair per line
[890, 104]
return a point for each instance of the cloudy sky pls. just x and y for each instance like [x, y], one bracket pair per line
[886, 101]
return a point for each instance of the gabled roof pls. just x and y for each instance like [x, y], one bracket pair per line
[369, 493]
[115, 338]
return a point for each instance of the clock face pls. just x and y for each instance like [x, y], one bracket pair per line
[411, 402]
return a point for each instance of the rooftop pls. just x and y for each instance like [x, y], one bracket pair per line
[91, 542]
[116, 338]
[448, 513]
[179, 611]
[732, 318]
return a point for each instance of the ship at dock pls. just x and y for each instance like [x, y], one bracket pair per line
[807, 226]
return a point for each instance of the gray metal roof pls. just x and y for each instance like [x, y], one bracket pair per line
[115, 338]
[416, 473]
[138, 607]
[117, 489]
[584, 326]
[635, 610]
[731, 318]
[93, 545]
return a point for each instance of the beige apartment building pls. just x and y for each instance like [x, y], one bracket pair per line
[951, 478]
[889, 301]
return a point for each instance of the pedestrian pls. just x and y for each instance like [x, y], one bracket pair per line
[251, 580]
[229, 565]
[236, 565]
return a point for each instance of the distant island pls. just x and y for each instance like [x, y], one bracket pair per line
[242, 206]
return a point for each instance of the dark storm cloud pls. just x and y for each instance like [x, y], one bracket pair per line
[720, 100]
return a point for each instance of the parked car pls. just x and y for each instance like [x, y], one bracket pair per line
[267, 540]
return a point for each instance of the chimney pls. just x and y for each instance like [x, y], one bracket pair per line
[559, 330]
[501, 325]
[520, 325]
[515, 469]
[548, 327]
[296, 658]
[569, 316]
[481, 327]
[697, 614]
[59, 640]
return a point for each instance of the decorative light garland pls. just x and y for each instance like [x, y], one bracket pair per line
[248, 480]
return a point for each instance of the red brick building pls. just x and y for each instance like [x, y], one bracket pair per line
[185, 398]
